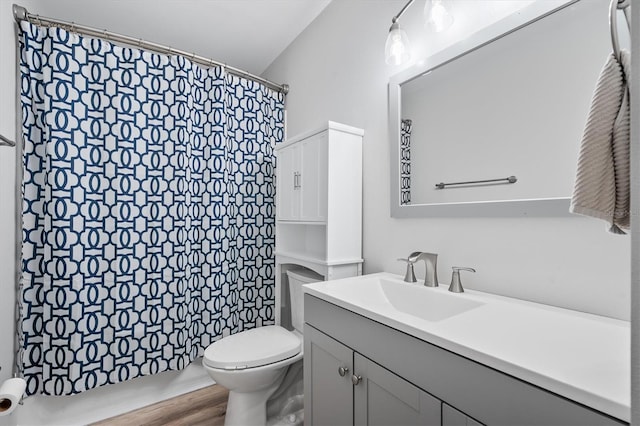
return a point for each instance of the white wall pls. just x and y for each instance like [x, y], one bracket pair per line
[336, 71]
[95, 404]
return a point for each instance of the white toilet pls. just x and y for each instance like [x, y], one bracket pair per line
[252, 364]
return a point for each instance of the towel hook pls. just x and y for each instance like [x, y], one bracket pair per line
[613, 22]
[613, 26]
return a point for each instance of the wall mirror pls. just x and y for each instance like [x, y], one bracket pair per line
[508, 103]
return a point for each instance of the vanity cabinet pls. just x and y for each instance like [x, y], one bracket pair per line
[348, 388]
[319, 205]
[405, 380]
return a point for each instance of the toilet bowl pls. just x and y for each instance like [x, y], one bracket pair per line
[252, 364]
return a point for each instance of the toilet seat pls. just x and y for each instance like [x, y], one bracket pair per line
[252, 348]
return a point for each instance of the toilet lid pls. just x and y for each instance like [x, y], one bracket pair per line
[252, 348]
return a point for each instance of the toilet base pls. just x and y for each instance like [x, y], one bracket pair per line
[250, 408]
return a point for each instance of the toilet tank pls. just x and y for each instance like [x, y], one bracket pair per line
[297, 278]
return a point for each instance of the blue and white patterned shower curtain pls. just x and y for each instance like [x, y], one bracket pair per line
[148, 213]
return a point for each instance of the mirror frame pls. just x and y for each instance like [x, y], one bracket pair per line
[506, 208]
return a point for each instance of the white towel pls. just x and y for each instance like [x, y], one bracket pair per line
[602, 180]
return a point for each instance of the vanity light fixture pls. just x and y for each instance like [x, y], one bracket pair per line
[438, 18]
[437, 15]
[396, 49]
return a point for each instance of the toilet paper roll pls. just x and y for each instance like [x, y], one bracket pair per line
[11, 393]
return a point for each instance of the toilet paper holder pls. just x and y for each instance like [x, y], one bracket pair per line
[21, 402]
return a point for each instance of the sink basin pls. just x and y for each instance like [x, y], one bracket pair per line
[381, 294]
[423, 302]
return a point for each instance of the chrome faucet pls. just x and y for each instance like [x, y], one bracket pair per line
[431, 268]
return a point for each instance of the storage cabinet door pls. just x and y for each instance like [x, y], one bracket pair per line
[383, 398]
[287, 191]
[453, 417]
[313, 178]
[328, 393]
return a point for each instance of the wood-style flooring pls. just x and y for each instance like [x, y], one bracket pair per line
[206, 406]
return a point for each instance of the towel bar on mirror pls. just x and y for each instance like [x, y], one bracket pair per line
[510, 179]
[6, 142]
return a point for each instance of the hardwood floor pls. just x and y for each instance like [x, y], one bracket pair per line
[205, 406]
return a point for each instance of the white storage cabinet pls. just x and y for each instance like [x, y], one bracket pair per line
[319, 204]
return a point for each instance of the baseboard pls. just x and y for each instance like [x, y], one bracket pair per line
[108, 401]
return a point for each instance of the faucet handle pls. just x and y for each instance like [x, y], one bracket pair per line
[456, 284]
[409, 275]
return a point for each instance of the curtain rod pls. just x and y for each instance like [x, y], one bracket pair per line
[21, 14]
[6, 142]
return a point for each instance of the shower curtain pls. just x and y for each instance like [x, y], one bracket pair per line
[148, 212]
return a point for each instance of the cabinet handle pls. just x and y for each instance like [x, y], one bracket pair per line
[355, 379]
[296, 180]
[342, 371]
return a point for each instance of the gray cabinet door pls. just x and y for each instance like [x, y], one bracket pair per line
[382, 398]
[328, 396]
[453, 417]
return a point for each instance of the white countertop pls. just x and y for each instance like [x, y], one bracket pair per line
[583, 357]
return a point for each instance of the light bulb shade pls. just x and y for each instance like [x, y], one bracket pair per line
[396, 49]
[437, 15]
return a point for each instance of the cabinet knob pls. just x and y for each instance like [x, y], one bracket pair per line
[355, 379]
[342, 371]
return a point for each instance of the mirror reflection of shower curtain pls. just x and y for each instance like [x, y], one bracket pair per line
[148, 212]
[405, 161]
